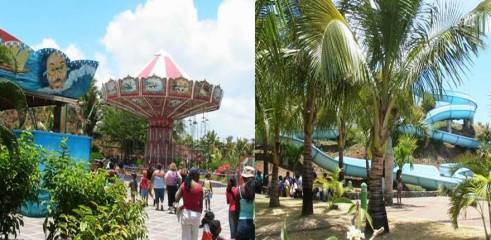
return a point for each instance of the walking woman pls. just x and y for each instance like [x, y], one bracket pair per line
[159, 186]
[232, 197]
[208, 191]
[245, 226]
[192, 194]
[172, 180]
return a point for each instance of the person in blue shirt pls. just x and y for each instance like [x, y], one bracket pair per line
[245, 226]
[259, 182]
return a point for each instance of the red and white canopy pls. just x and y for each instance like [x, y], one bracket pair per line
[162, 90]
[164, 66]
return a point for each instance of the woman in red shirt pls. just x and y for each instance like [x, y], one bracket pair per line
[232, 196]
[192, 194]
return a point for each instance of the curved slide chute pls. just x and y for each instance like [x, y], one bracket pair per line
[454, 106]
[426, 176]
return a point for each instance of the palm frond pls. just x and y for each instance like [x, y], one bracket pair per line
[464, 196]
[444, 45]
[327, 38]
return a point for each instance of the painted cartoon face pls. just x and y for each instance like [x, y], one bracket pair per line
[204, 90]
[217, 94]
[153, 85]
[56, 70]
[181, 86]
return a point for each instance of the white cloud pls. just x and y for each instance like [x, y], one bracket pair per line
[221, 51]
[72, 51]
[103, 73]
[46, 43]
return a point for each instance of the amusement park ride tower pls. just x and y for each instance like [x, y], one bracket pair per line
[162, 93]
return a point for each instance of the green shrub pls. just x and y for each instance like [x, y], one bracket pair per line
[19, 172]
[96, 156]
[88, 205]
[428, 102]
[120, 220]
[415, 188]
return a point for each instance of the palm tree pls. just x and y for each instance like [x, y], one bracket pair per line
[328, 58]
[91, 109]
[484, 134]
[209, 143]
[178, 130]
[295, 62]
[404, 150]
[273, 71]
[345, 96]
[409, 47]
[473, 192]
[243, 147]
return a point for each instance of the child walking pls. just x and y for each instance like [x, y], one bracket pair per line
[208, 192]
[133, 187]
[144, 188]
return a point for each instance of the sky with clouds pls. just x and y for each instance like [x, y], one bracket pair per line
[209, 39]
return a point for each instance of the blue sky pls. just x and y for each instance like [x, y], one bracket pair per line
[209, 39]
[80, 22]
[85, 25]
[476, 82]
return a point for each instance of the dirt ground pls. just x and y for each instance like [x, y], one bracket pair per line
[418, 218]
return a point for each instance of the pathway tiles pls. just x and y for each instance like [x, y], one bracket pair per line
[160, 224]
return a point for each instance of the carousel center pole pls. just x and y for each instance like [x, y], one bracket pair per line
[159, 149]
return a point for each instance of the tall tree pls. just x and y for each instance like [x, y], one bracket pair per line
[91, 109]
[273, 71]
[404, 48]
[124, 128]
[330, 59]
[178, 130]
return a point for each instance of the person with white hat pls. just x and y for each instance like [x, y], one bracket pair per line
[245, 226]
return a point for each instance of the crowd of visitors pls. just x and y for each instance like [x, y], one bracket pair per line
[291, 186]
[186, 195]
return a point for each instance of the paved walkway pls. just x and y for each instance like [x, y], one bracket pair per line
[435, 209]
[160, 224]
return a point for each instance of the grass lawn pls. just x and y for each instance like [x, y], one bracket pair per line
[326, 223]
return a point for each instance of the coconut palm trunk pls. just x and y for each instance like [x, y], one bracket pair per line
[488, 195]
[307, 206]
[388, 178]
[266, 161]
[274, 199]
[341, 144]
[376, 205]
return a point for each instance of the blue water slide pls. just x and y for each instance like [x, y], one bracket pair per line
[427, 176]
[321, 134]
[451, 106]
